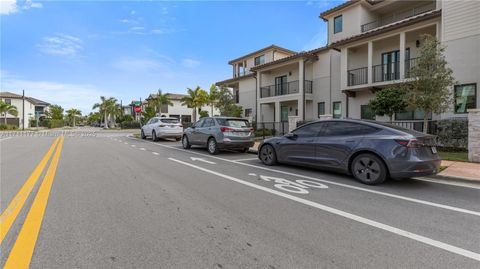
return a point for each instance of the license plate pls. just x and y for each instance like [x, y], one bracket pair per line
[434, 150]
[171, 126]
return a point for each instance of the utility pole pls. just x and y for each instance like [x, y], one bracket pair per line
[23, 110]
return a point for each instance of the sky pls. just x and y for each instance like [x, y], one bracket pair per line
[72, 52]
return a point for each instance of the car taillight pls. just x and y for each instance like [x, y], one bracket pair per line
[226, 129]
[251, 129]
[161, 125]
[412, 143]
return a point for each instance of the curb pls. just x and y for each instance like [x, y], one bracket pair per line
[454, 178]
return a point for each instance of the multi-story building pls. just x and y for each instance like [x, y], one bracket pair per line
[28, 108]
[371, 45]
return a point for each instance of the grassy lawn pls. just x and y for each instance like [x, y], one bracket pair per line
[454, 156]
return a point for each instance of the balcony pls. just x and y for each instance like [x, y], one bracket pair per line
[242, 73]
[380, 73]
[291, 87]
[388, 18]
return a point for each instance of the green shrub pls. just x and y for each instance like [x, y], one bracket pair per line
[452, 133]
[203, 114]
[130, 125]
[264, 132]
[8, 127]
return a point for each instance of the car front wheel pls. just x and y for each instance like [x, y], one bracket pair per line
[185, 142]
[268, 155]
[369, 169]
[212, 146]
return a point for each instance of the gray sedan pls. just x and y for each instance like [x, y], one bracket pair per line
[370, 151]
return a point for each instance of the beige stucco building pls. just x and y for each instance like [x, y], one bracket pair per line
[371, 45]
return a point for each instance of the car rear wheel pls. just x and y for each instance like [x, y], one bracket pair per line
[185, 142]
[369, 169]
[142, 134]
[212, 146]
[268, 155]
[154, 136]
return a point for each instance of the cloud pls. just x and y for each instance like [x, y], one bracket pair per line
[137, 65]
[12, 6]
[61, 45]
[190, 63]
[81, 96]
[317, 41]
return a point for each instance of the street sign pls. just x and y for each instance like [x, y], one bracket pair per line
[137, 103]
[137, 109]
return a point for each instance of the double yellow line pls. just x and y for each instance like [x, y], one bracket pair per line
[22, 251]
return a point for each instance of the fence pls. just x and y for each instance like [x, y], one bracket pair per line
[270, 129]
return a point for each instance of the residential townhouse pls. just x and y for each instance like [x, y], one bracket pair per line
[371, 45]
[34, 109]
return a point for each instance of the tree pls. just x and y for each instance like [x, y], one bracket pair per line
[148, 113]
[107, 106]
[55, 112]
[213, 97]
[226, 103]
[73, 114]
[6, 109]
[388, 102]
[203, 114]
[94, 117]
[160, 100]
[429, 90]
[195, 99]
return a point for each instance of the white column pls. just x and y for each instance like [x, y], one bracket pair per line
[402, 55]
[278, 116]
[259, 107]
[439, 31]
[370, 63]
[301, 89]
[343, 68]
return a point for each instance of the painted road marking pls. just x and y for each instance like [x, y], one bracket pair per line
[201, 160]
[133, 146]
[126, 143]
[405, 198]
[252, 174]
[2, 139]
[247, 159]
[141, 148]
[22, 251]
[155, 153]
[299, 186]
[379, 225]
[11, 212]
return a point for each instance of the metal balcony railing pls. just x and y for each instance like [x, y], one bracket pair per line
[290, 87]
[357, 76]
[398, 16]
[386, 72]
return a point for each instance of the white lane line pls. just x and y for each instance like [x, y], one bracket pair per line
[119, 141]
[457, 209]
[132, 146]
[379, 225]
[155, 153]
[141, 148]
[201, 160]
[126, 143]
[446, 182]
[2, 139]
[246, 159]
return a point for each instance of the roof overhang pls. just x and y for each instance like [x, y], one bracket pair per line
[234, 80]
[271, 47]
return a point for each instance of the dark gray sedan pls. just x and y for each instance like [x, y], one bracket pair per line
[368, 150]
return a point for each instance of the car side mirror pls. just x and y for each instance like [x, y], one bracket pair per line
[291, 136]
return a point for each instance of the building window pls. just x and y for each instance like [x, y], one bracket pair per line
[8, 101]
[337, 110]
[338, 24]
[416, 114]
[260, 60]
[321, 109]
[237, 96]
[366, 113]
[248, 112]
[465, 97]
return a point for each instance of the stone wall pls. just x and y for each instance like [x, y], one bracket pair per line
[474, 135]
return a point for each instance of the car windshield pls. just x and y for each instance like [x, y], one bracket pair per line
[237, 123]
[169, 120]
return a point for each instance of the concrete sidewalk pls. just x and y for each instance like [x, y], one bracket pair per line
[453, 170]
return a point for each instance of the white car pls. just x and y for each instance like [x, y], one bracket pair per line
[158, 127]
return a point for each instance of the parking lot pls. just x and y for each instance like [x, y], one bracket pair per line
[117, 201]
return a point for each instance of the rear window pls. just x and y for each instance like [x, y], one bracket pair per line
[169, 120]
[236, 123]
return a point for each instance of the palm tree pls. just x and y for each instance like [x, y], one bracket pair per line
[195, 99]
[6, 109]
[160, 100]
[73, 114]
[213, 97]
[106, 107]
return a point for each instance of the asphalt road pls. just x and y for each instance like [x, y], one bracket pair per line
[119, 202]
